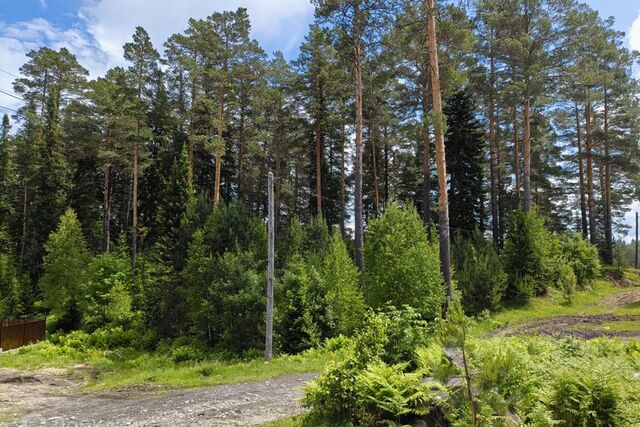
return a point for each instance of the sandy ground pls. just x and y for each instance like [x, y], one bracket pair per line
[51, 398]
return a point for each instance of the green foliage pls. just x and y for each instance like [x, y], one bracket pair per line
[386, 338]
[402, 267]
[108, 290]
[340, 279]
[479, 274]
[10, 288]
[562, 277]
[525, 253]
[582, 256]
[465, 137]
[302, 318]
[65, 266]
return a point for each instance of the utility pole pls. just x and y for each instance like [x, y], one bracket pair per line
[636, 240]
[268, 347]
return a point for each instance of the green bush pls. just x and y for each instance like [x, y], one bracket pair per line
[302, 318]
[389, 338]
[401, 266]
[340, 279]
[479, 274]
[526, 251]
[582, 256]
[10, 288]
[65, 268]
[563, 278]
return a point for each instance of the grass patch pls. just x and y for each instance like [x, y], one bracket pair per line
[305, 420]
[147, 369]
[622, 326]
[8, 417]
[586, 302]
[129, 368]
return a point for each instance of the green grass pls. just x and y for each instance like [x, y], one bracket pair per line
[586, 302]
[147, 369]
[622, 326]
[124, 369]
[8, 417]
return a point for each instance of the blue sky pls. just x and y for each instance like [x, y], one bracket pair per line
[95, 30]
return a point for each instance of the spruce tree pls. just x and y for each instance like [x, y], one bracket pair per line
[466, 145]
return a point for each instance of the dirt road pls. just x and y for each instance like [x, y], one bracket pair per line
[49, 398]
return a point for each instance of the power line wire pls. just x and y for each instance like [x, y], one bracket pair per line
[7, 108]
[9, 73]
[6, 92]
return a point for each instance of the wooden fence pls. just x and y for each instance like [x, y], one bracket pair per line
[16, 333]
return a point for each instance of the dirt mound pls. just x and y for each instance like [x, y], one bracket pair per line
[586, 327]
[622, 299]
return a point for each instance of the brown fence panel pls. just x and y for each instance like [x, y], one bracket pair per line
[16, 333]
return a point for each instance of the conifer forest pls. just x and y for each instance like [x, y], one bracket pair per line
[451, 179]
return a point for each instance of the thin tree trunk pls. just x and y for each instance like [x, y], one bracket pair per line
[526, 203]
[343, 185]
[25, 206]
[106, 206]
[443, 206]
[426, 159]
[386, 166]
[358, 232]
[241, 153]
[583, 203]
[516, 154]
[493, 150]
[591, 201]
[608, 226]
[220, 141]
[134, 237]
[374, 162]
[318, 134]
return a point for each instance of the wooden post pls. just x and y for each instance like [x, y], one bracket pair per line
[636, 240]
[268, 348]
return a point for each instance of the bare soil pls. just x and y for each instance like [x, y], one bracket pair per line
[585, 327]
[51, 397]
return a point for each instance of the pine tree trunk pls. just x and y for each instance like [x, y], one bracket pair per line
[134, 225]
[374, 162]
[608, 226]
[516, 155]
[583, 203]
[526, 202]
[318, 134]
[219, 142]
[386, 166]
[426, 159]
[358, 232]
[106, 190]
[443, 202]
[493, 150]
[343, 185]
[590, 199]
[241, 153]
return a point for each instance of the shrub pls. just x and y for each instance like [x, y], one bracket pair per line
[402, 267]
[302, 317]
[340, 280]
[108, 290]
[525, 253]
[563, 278]
[64, 265]
[10, 304]
[582, 256]
[479, 274]
[389, 338]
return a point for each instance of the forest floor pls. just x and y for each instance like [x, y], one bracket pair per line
[50, 397]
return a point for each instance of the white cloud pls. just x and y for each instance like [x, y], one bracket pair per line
[112, 22]
[104, 26]
[18, 38]
[634, 34]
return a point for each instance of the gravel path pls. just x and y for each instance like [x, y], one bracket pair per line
[47, 398]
